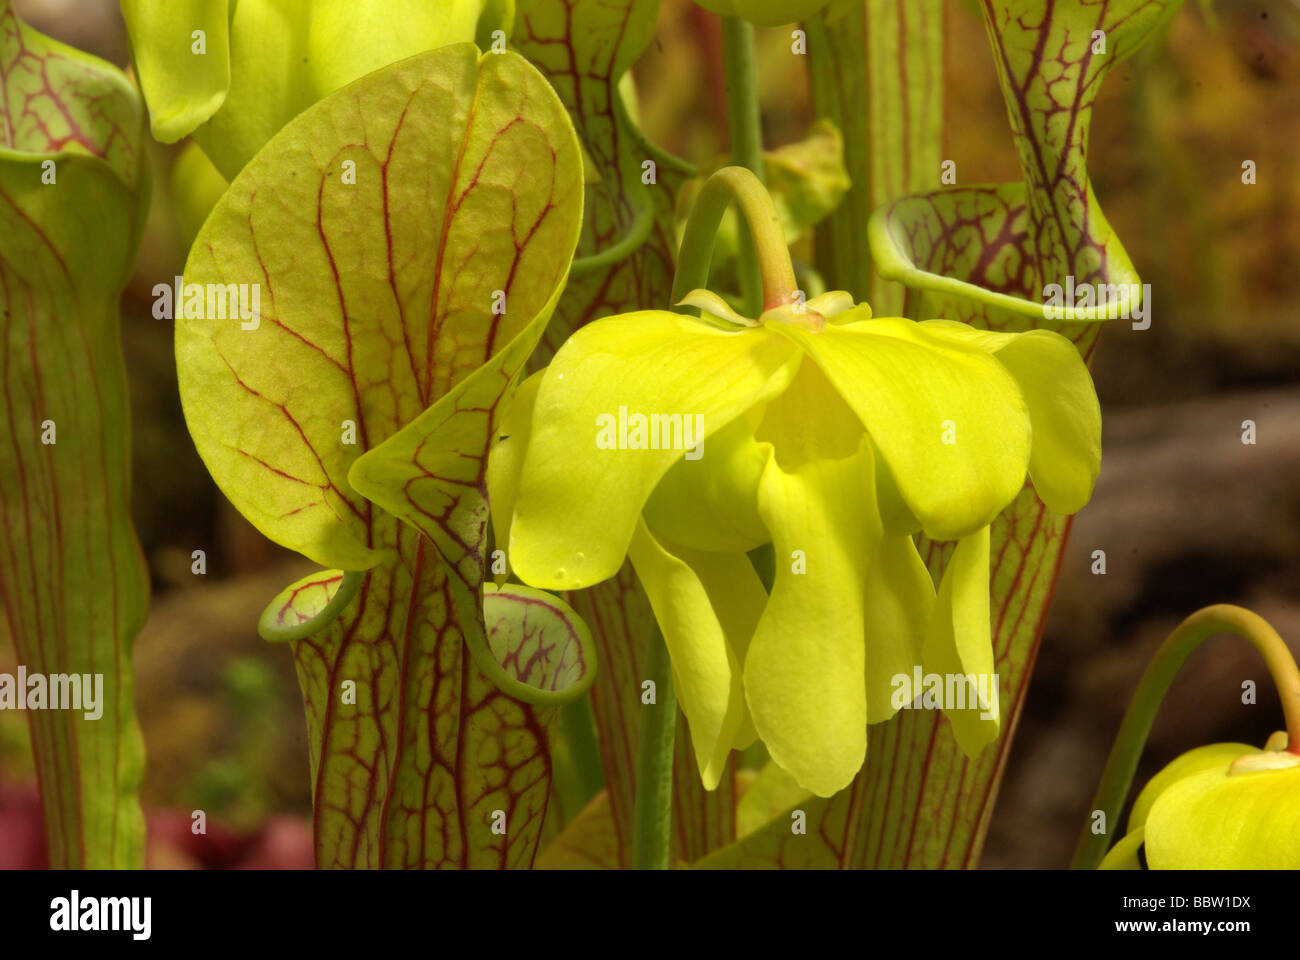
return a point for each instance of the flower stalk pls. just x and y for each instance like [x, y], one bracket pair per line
[652, 817]
[775, 269]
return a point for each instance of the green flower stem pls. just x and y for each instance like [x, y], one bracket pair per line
[1122, 763]
[579, 727]
[745, 129]
[652, 818]
[774, 266]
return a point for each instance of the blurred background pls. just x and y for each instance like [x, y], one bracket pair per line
[1186, 513]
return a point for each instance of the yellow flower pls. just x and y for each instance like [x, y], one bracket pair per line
[834, 437]
[1223, 806]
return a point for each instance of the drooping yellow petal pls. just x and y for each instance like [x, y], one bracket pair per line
[181, 51]
[896, 515]
[1215, 820]
[1065, 456]
[737, 596]
[706, 615]
[622, 401]
[959, 645]
[948, 419]
[898, 604]
[506, 460]
[804, 676]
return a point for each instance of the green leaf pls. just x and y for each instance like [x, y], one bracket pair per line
[411, 770]
[267, 406]
[72, 578]
[968, 245]
[351, 422]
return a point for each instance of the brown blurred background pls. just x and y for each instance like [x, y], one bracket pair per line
[1187, 513]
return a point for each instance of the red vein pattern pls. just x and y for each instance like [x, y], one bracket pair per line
[381, 309]
[431, 756]
[72, 579]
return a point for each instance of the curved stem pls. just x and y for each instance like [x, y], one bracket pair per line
[745, 129]
[653, 814]
[775, 268]
[1116, 779]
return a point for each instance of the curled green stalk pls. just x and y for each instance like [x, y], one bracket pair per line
[775, 270]
[1169, 658]
[309, 605]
